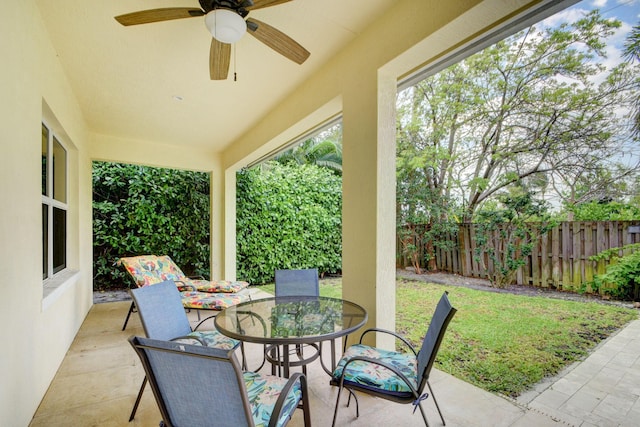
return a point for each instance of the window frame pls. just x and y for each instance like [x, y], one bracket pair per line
[51, 203]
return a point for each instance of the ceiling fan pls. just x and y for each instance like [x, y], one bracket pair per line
[225, 21]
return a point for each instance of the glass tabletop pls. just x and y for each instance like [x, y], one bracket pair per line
[291, 320]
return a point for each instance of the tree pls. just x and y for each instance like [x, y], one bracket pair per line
[632, 53]
[423, 214]
[425, 156]
[528, 109]
[323, 150]
[592, 185]
[506, 234]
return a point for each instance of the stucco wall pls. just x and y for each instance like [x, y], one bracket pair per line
[36, 332]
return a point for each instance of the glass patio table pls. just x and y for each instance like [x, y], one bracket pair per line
[294, 320]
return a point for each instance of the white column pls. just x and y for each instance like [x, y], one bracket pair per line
[368, 254]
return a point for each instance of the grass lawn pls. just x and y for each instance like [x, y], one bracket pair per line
[502, 343]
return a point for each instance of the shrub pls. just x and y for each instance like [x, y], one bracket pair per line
[288, 216]
[622, 279]
[505, 235]
[144, 210]
[605, 211]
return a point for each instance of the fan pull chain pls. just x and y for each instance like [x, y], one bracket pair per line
[235, 76]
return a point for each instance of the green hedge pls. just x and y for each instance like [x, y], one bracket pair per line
[287, 217]
[143, 210]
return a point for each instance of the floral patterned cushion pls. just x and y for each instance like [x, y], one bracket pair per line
[206, 301]
[263, 391]
[218, 286]
[215, 339]
[151, 269]
[376, 377]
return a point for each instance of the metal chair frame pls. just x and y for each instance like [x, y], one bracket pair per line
[425, 357]
[212, 365]
[172, 324]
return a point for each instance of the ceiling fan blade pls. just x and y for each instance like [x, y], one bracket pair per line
[157, 15]
[219, 58]
[259, 4]
[277, 40]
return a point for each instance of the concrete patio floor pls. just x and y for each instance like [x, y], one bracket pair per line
[99, 378]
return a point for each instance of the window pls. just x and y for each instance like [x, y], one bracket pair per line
[54, 204]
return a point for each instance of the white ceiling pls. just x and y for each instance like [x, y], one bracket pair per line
[127, 79]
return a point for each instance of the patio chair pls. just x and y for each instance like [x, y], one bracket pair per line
[395, 376]
[197, 293]
[163, 318]
[203, 386]
[301, 282]
[297, 282]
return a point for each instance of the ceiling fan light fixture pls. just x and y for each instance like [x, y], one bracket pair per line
[225, 25]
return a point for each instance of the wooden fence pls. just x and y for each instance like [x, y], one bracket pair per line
[560, 259]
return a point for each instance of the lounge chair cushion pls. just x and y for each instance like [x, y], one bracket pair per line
[263, 391]
[376, 377]
[207, 301]
[152, 269]
[218, 286]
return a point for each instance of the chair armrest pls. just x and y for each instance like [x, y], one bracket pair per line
[277, 409]
[196, 277]
[396, 335]
[379, 363]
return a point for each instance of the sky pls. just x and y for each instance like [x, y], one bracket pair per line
[626, 11]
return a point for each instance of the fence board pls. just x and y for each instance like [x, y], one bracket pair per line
[600, 245]
[535, 275]
[566, 248]
[577, 237]
[556, 273]
[589, 250]
[545, 265]
[613, 235]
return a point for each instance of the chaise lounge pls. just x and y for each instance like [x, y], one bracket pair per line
[196, 293]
